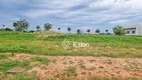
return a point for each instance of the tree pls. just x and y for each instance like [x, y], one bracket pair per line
[88, 31]
[2, 29]
[97, 31]
[106, 30]
[59, 29]
[118, 30]
[38, 28]
[69, 29]
[21, 25]
[78, 31]
[3, 26]
[47, 26]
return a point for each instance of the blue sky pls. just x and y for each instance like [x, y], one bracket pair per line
[77, 14]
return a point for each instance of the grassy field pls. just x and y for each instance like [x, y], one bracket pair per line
[100, 45]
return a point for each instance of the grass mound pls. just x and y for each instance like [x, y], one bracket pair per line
[45, 34]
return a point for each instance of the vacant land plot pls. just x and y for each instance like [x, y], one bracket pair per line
[40, 56]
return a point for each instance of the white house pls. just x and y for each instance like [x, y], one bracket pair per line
[133, 29]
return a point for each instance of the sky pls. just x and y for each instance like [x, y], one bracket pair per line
[76, 14]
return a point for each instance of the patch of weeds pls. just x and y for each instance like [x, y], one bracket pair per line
[42, 60]
[113, 78]
[4, 56]
[80, 62]
[64, 63]
[71, 71]
[13, 54]
[83, 67]
[83, 73]
[133, 66]
[34, 72]
[71, 62]
[22, 76]
[92, 68]
[57, 75]
[92, 60]
[10, 64]
[109, 62]
[54, 61]
[49, 79]
[101, 67]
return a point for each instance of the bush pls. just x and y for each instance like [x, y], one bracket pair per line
[8, 29]
[118, 30]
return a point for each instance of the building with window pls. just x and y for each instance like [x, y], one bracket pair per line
[133, 30]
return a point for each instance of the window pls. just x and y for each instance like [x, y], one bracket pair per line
[128, 32]
[133, 32]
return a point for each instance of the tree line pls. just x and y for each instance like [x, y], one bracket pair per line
[22, 25]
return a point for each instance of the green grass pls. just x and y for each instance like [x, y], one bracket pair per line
[5, 66]
[40, 59]
[6, 63]
[4, 56]
[100, 45]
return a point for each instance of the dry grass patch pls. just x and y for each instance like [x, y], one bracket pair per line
[46, 34]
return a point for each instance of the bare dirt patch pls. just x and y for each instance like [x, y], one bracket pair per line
[20, 57]
[80, 67]
[16, 70]
[89, 67]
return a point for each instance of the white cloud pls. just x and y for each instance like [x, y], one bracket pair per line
[41, 13]
[118, 21]
[61, 4]
[97, 11]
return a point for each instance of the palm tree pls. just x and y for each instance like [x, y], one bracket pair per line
[97, 31]
[88, 31]
[78, 31]
[3, 26]
[106, 30]
[59, 29]
[38, 28]
[69, 29]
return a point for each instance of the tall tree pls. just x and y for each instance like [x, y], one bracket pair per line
[118, 30]
[78, 31]
[47, 26]
[69, 29]
[38, 28]
[88, 31]
[21, 25]
[97, 31]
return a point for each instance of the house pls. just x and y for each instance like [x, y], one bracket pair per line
[133, 30]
